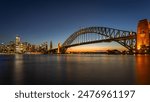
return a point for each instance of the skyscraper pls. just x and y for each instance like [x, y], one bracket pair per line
[51, 45]
[18, 42]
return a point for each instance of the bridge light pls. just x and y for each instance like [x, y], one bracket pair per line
[142, 35]
[139, 48]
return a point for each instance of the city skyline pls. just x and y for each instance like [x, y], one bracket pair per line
[37, 21]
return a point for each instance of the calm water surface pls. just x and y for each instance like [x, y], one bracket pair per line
[75, 69]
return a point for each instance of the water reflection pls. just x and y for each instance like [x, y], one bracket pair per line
[74, 69]
[18, 69]
[143, 69]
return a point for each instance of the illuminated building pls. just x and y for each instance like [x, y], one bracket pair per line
[17, 40]
[143, 36]
[18, 46]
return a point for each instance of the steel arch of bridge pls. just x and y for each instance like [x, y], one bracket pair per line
[104, 34]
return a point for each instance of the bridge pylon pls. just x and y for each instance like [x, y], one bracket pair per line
[143, 36]
[59, 49]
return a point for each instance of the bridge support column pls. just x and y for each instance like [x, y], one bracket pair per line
[63, 50]
[59, 46]
[143, 37]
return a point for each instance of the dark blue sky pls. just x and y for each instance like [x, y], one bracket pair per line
[37, 21]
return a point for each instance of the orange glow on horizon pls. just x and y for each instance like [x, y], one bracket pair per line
[94, 49]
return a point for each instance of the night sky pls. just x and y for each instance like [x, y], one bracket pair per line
[37, 21]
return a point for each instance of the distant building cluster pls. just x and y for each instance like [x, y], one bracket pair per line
[17, 46]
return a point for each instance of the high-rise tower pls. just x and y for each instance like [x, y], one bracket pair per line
[18, 45]
[17, 40]
[51, 45]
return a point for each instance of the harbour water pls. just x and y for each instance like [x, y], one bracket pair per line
[74, 69]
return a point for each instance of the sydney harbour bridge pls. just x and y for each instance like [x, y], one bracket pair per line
[91, 35]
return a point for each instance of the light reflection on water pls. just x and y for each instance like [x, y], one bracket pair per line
[143, 69]
[75, 69]
[18, 69]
